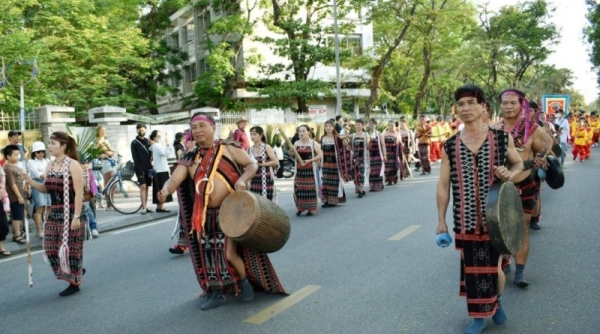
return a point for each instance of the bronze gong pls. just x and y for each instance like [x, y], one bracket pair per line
[554, 174]
[504, 217]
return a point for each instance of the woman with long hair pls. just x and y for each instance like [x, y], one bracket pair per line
[376, 158]
[335, 166]
[359, 141]
[65, 228]
[37, 166]
[305, 182]
[160, 151]
[263, 183]
[392, 154]
[106, 157]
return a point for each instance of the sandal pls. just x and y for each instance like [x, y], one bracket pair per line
[4, 252]
[19, 239]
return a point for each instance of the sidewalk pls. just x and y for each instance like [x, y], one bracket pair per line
[106, 221]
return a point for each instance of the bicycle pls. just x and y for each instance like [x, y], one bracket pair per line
[121, 192]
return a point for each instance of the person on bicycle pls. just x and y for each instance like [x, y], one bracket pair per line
[142, 159]
[106, 157]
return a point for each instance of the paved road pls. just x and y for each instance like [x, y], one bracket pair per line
[352, 277]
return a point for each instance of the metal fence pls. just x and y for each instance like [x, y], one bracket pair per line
[10, 121]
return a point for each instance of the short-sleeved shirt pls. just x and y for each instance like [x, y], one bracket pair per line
[13, 176]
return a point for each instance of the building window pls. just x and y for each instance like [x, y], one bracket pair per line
[352, 43]
[174, 41]
[205, 19]
[192, 73]
[204, 65]
[189, 29]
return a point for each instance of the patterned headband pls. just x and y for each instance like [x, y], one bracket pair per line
[203, 119]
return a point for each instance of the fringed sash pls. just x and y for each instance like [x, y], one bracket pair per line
[204, 177]
[63, 252]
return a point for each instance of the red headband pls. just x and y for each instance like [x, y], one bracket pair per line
[512, 92]
[203, 119]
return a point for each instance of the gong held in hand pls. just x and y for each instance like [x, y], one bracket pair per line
[504, 217]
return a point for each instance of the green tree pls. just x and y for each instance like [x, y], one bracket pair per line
[592, 32]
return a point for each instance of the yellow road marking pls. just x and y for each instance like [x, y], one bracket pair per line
[282, 305]
[405, 232]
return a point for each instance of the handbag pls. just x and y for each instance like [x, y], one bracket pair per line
[96, 164]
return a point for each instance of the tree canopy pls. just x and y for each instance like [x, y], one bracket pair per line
[86, 53]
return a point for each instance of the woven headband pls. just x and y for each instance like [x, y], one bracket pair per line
[203, 119]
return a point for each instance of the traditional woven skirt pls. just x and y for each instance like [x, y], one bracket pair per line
[333, 190]
[478, 274]
[257, 185]
[53, 235]
[305, 188]
[424, 157]
[375, 165]
[212, 268]
[391, 166]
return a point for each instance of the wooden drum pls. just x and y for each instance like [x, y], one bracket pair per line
[254, 221]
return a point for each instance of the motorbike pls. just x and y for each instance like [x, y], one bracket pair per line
[289, 166]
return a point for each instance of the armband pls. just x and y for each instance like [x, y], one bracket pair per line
[527, 164]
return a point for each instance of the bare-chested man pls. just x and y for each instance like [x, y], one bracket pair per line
[533, 145]
[204, 177]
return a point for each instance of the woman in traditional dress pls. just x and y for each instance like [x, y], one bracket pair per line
[392, 154]
[305, 182]
[359, 141]
[335, 167]
[376, 158]
[263, 183]
[65, 228]
[408, 146]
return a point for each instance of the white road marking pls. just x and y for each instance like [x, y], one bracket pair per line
[143, 226]
[20, 256]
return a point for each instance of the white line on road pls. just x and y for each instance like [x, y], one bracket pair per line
[143, 226]
[405, 232]
[282, 305]
[20, 256]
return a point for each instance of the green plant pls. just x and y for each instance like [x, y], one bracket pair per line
[86, 144]
[272, 135]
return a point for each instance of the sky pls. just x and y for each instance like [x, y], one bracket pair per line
[572, 49]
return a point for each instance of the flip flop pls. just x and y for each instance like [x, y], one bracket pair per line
[4, 252]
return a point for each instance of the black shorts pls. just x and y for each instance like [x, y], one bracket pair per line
[144, 178]
[16, 211]
[528, 191]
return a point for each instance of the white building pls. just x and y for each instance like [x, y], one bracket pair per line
[188, 31]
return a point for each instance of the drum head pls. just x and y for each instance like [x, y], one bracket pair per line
[504, 217]
[555, 176]
[238, 214]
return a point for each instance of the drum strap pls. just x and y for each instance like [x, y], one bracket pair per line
[204, 177]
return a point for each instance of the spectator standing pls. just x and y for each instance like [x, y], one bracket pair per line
[106, 158]
[5, 209]
[37, 167]
[160, 152]
[14, 138]
[142, 159]
[240, 133]
[15, 189]
[564, 134]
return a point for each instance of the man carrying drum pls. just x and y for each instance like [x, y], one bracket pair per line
[533, 145]
[472, 160]
[204, 177]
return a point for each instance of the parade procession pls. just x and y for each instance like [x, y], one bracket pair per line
[306, 166]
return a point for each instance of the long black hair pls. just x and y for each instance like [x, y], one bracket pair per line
[261, 132]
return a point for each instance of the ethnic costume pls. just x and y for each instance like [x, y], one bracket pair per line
[336, 169]
[406, 158]
[305, 182]
[361, 160]
[581, 139]
[394, 160]
[206, 240]
[423, 132]
[63, 247]
[376, 170]
[472, 174]
[263, 183]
